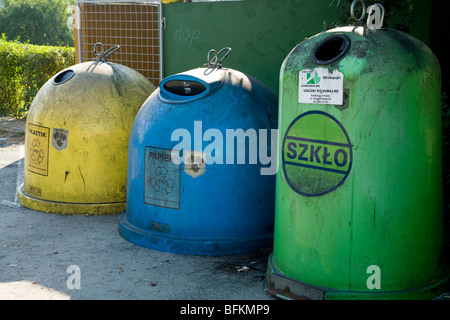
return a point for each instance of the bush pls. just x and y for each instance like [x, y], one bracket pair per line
[24, 68]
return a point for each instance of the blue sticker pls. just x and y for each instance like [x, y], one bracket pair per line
[162, 179]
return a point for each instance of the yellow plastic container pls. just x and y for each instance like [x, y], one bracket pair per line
[76, 139]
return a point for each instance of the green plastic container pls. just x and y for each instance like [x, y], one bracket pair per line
[359, 187]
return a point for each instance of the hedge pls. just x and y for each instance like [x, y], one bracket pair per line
[24, 68]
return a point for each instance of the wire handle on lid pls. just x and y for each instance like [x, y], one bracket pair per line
[375, 14]
[102, 55]
[216, 60]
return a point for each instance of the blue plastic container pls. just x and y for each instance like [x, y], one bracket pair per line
[204, 207]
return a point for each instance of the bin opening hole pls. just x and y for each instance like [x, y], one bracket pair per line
[184, 88]
[331, 49]
[63, 76]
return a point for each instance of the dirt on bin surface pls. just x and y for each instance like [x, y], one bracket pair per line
[39, 253]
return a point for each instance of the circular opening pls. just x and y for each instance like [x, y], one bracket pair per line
[331, 49]
[184, 88]
[63, 76]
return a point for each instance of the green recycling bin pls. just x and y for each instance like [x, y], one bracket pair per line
[358, 211]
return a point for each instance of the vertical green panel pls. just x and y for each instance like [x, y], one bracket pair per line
[261, 33]
[422, 20]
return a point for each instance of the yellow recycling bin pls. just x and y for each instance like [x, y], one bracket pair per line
[76, 138]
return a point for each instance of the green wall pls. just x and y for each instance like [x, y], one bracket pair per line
[261, 33]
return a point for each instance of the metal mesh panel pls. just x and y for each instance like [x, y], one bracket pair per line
[132, 25]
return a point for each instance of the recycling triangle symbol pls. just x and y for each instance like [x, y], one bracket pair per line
[160, 182]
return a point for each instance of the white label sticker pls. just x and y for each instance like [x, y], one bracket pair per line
[320, 86]
[194, 163]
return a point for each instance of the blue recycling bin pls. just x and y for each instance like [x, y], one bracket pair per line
[199, 179]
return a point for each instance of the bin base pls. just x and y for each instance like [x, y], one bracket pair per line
[284, 287]
[68, 208]
[165, 243]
